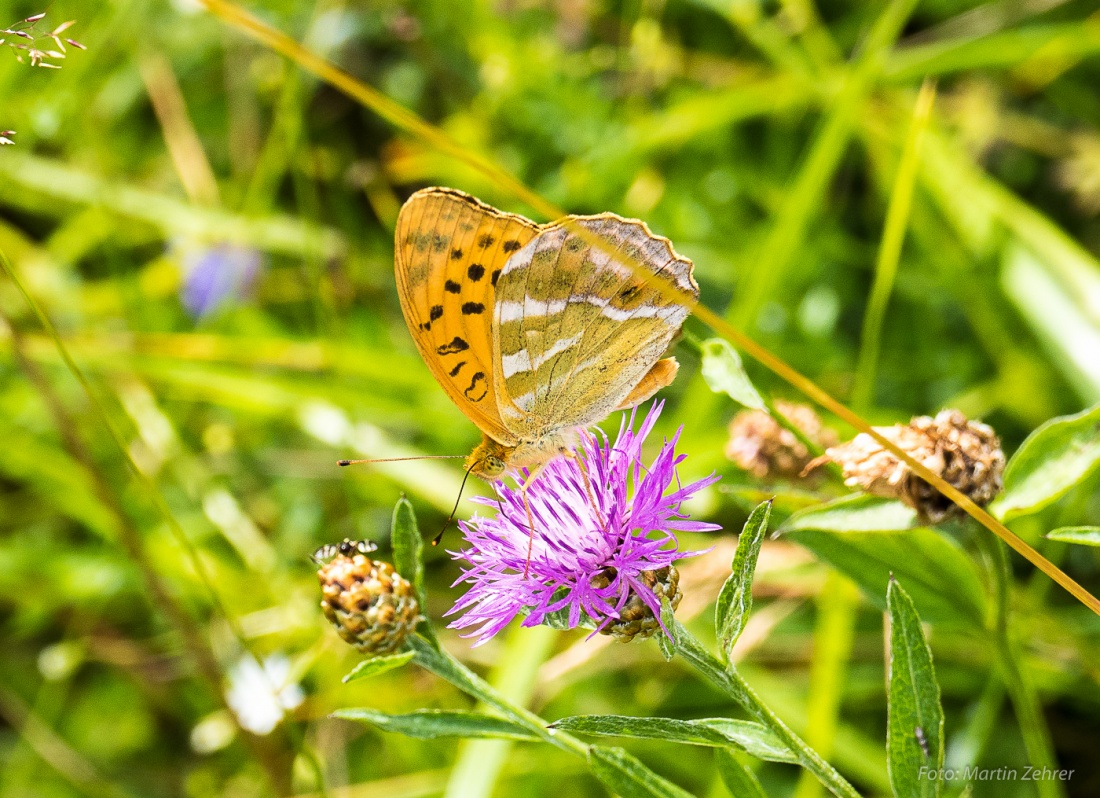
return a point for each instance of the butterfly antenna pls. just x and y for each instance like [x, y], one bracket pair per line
[447, 523]
[399, 459]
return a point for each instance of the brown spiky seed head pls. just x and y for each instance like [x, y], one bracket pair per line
[967, 454]
[636, 619]
[371, 605]
[762, 447]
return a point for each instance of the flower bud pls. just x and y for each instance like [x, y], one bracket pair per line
[967, 454]
[372, 606]
[636, 618]
[762, 447]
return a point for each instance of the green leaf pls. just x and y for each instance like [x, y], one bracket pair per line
[739, 780]
[1083, 535]
[914, 739]
[1054, 458]
[744, 735]
[734, 604]
[859, 513]
[627, 776]
[377, 665]
[559, 619]
[665, 641]
[942, 579]
[407, 545]
[724, 373]
[433, 659]
[427, 724]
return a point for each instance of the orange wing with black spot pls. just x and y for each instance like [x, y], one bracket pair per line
[449, 252]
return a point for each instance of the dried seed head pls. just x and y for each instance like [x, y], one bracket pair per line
[372, 606]
[636, 618]
[967, 454]
[762, 447]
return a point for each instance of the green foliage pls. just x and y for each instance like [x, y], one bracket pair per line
[723, 371]
[625, 775]
[1054, 458]
[942, 578]
[429, 724]
[914, 738]
[377, 665]
[1083, 535]
[731, 610]
[739, 780]
[765, 140]
[753, 738]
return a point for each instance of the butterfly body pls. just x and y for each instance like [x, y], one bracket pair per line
[533, 330]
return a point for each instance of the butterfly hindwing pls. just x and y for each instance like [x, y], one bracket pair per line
[450, 251]
[575, 329]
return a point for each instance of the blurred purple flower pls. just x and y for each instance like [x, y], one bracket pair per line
[215, 274]
[630, 530]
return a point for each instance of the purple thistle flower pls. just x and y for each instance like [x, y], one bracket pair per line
[586, 560]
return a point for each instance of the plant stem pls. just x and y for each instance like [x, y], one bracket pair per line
[1025, 701]
[475, 772]
[731, 682]
[442, 664]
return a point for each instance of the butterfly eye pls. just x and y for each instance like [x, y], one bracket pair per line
[494, 466]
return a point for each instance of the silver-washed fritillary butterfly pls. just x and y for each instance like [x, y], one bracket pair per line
[531, 330]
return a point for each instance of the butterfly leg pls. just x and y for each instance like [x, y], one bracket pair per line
[527, 483]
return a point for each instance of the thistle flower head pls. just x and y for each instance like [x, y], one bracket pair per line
[603, 522]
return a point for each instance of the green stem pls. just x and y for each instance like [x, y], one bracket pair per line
[1025, 700]
[480, 762]
[731, 682]
[445, 666]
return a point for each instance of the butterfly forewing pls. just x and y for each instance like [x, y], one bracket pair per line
[575, 328]
[450, 252]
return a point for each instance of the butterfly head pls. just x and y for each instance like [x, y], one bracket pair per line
[489, 459]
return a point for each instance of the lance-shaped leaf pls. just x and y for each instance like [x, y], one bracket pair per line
[408, 560]
[1081, 535]
[731, 611]
[433, 659]
[377, 665]
[724, 373]
[627, 776]
[748, 736]
[940, 577]
[739, 780]
[914, 738]
[859, 513]
[407, 545]
[1054, 458]
[427, 724]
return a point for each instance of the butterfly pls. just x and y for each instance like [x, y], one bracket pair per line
[532, 330]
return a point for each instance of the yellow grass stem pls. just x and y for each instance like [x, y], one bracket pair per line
[411, 123]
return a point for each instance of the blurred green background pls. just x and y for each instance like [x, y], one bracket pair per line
[211, 231]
